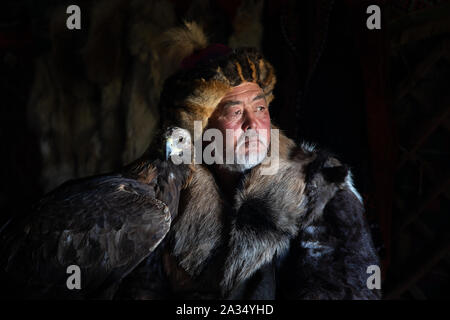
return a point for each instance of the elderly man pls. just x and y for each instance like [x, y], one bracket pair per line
[299, 233]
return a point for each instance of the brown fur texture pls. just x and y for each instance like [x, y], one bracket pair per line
[297, 234]
[256, 238]
[201, 219]
[268, 212]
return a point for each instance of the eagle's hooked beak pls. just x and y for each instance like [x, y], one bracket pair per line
[171, 149]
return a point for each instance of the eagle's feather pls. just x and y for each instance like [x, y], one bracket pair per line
[106, 225]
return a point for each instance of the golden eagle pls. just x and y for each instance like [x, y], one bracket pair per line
[105, 225]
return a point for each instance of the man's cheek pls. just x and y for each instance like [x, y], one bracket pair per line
[266, 121]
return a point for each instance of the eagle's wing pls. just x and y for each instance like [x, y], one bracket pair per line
[105, 225]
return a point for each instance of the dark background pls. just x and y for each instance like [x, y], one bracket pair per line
[81, 102]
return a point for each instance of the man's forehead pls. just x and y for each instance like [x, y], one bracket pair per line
[244, 90]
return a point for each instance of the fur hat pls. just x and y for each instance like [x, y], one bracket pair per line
[206, 74]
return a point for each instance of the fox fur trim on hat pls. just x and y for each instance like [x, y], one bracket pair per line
[193, 94]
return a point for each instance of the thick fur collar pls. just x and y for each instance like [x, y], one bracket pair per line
[267, 212]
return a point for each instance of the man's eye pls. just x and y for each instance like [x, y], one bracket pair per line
[261, 108]
[237, 112]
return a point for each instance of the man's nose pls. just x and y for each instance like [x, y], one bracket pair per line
[250, 121]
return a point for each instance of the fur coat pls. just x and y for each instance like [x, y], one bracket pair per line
[298, 234]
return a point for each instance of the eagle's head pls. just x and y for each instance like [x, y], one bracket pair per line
[178, 144]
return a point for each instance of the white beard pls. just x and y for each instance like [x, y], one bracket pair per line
[247, 160]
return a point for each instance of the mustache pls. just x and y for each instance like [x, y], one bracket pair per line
[251, 135]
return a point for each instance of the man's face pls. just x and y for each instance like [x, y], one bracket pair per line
[244, 111]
